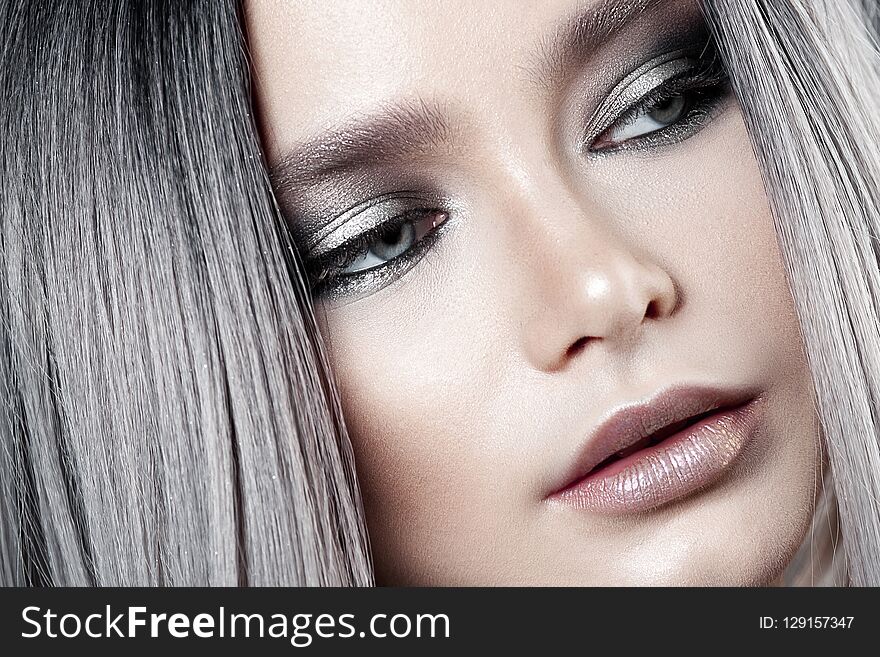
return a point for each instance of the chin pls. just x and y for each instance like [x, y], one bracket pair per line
[737, 550]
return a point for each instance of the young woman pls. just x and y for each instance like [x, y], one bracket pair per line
[596, 282]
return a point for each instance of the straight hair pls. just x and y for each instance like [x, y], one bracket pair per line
[807, 75]
[167, 412]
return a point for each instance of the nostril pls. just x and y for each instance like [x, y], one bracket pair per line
[653, 310]
[576, 347]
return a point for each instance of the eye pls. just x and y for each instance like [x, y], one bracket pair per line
[662, 102]
[370, 258]
[389, 243]
[658, 116]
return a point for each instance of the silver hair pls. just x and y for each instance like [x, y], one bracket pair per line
[807, 74]
[168, 418]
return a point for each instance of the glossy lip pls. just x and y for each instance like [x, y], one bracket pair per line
[719, 423]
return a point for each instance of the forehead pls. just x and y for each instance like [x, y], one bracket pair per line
[355, 31]
[317, 62]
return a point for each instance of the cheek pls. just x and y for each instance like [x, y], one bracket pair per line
[701, 213]
[703, 216]
[420, 431]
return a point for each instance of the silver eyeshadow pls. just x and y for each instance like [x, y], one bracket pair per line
[636, 86]
[359, 219]
[378, 210]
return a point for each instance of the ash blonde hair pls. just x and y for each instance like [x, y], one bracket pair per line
[807, 74]
[167, 414]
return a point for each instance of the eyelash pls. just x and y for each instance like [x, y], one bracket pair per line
[323, 272]
[706, 86]
[705, 89]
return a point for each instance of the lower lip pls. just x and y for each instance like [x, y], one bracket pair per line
[679, 465]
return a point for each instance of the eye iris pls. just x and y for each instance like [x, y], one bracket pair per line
[669, 110]
[394, 242]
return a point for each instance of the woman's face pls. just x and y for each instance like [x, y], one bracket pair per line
[548, 279]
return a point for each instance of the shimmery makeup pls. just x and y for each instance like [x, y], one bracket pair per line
[359, 219]
[635, 86]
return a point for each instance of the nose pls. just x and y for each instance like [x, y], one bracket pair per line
[589, 287]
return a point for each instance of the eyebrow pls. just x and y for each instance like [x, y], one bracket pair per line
[399, 130]
[577, 38]
[396, 131]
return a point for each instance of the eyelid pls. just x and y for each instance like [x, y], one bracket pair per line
[636, 86]
[355, 286]
[359, 219]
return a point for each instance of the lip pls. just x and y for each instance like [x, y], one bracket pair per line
[718, 425]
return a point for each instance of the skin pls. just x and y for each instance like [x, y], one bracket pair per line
[563, 288]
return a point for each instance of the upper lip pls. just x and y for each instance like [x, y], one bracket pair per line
[634, 422]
